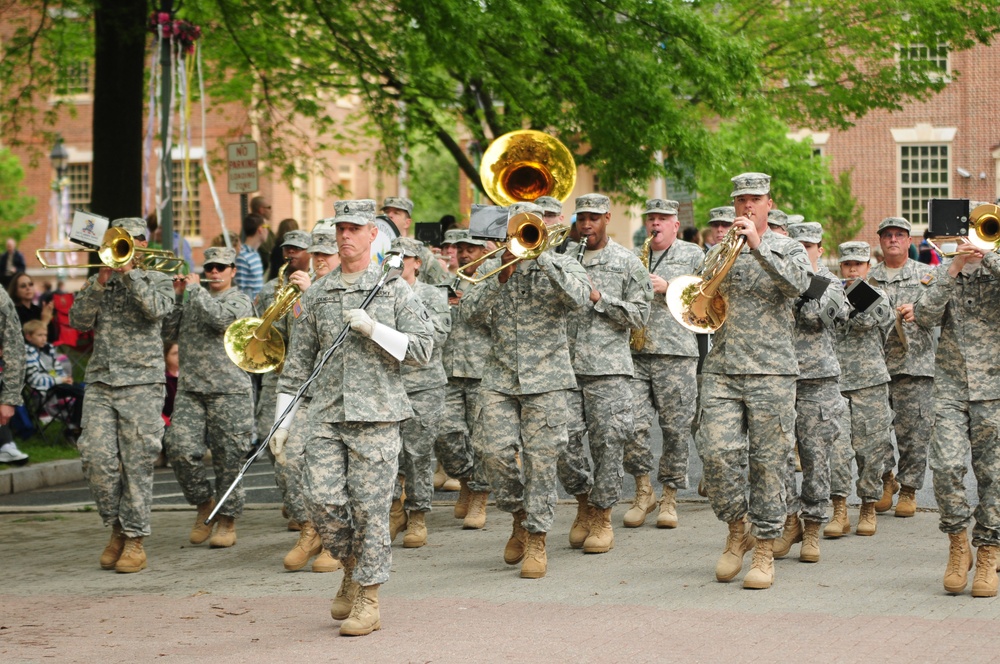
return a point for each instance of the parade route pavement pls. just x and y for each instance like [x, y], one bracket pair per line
[652, 598]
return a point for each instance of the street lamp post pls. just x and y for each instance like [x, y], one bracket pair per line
[60, 162]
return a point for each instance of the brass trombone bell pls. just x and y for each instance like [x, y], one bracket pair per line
[527, 238]
[523, 165]
[984, 231]
[118, 249]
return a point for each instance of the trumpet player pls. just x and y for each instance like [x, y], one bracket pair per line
[665, 383]
[122, 427]
[213, 409]
[748, 385]
[909, 357]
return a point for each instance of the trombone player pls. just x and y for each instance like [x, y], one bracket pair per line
[749, 386]
[122, 427]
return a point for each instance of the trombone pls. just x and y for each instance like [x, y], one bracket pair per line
[527, 238]
[118, 249]
[984, 231]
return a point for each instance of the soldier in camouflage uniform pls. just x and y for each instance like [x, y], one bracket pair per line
[464, 355]
[665, 382]
[818, 403]
[910, 361]
[357, 402]
[601, 407]
[425, 387]
[13, 355]
[213, 410]
[400, 211]
[748, 386]
[864, 382]
[522, 399]
[963, 297]
[122, 427]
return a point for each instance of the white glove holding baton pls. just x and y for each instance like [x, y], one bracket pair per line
[277, 446]
[360, 322]
[393, 341]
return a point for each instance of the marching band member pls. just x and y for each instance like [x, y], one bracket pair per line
[400, 211]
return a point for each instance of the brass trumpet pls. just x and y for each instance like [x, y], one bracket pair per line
[984, 231]
[118, 249]
[527, 238]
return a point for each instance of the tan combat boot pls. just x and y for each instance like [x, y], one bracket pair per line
[325, 562]
[581, 524]
[440, 477]
[397, 518]
[907, 504]
[702, 491]
[984, 583]
[840, 524]
[416, 531]
[364, 618]
[462, 503]
[225, 533]
[513, 552]
[343, 602]
[792, 534]
[761, 574]
[114, 548]
[476, 518]
[201, 531]
[294, 526]
[667, 518]
[738, 543]
[536, 562]
[809, 551]
[889, 488]
[867, 520]
[305, 548]
[133, 558]
[956, 574]
[643, 503]
[602, 536]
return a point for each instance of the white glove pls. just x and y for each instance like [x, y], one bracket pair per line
[360, 322]
[277, 446]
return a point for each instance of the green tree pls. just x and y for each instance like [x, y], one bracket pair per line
[844, 216]
[15, 204]
[433, 184]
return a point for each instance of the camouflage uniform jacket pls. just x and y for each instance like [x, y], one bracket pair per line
[861, 347]
[815, 339]
[361, 382]
[13, 353]
[199, 327]
[760, 291]
[464, 353]
[526, 317]
[664, 335]
[125, 315]
[598, 333]
[431, 270]
[966, 309]
[906, 288]
[435, 301]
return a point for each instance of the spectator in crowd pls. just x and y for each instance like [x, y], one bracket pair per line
[220, 241]
[926, 253]
[249, 268]
[22, 291]
[46, 371]
[277, 257]
[260, 205]
[691, 234]
[11, 262]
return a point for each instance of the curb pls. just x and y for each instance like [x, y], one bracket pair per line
[40, 476]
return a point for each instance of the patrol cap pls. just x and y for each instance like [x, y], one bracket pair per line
[220, 256]
[451, 235]
[134, 226]
[855, 251]
[358, 212]
[598, 203]
[725, 214]
[398, 202]
[407, 246]
[894, 222]
[795, 219]
[549, 204]
[661, 206]
[811, 231]
[463, 236]
[323, 241]
[777, 218]
[524, 207]
[754, 184]
[326, 222]
[296, 238]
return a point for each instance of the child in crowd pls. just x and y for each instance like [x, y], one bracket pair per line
[45, 371]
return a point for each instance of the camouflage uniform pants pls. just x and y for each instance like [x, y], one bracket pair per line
[456, 444]
[535, 425]
[733, 406]
[350, 468]
[294, 469]
[818, 407]
[961, 427]
[416, 461]
[267, 402]
[217, 422]
[122, 430]
[665, 385]
[865, 436]
[912, 400]
[605, 404]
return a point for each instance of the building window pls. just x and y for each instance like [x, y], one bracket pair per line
[921, 57]
[78, 181]
[923, 175]
[187, 211]
[74, 79]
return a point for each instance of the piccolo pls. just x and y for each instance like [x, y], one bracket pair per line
[182, 277]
